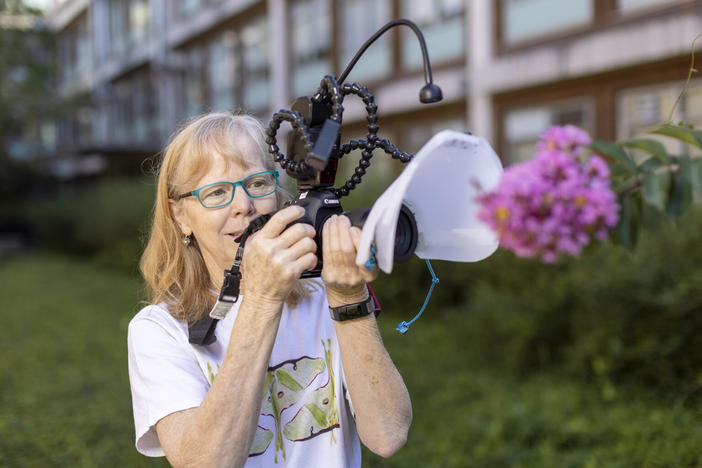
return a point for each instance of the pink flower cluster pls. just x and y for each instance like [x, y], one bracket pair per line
[553, 204]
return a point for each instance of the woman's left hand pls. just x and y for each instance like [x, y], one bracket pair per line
[344, 279]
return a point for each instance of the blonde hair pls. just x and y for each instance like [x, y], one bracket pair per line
[176, 274]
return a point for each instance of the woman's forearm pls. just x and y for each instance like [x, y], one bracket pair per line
[380, 398]
[220, 431]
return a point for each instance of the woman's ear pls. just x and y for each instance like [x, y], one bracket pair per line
[181, 219]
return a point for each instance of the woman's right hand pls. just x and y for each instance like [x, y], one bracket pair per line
[275, 257]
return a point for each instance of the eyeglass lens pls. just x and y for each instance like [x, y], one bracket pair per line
[256, 186]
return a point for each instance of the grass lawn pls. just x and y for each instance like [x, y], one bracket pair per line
[64, 391]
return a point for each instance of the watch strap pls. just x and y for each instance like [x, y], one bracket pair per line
[354, 311]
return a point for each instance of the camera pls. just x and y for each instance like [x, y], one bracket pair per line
[315, 172]
[314, 150]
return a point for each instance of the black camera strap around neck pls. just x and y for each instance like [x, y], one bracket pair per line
[202, 331]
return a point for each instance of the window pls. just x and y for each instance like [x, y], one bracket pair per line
[627, 6]
[360, 19]
[442, 23]
[194, 85]
[185, 9]
[522, 21]
[310, 28]
[228, 71]
[523, 126]
[255, 80]
[641, 110]
[129, 24]
[527, 19]
[75, 51]
[221, 71]
[133, 113]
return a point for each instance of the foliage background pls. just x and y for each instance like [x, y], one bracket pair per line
[589, 362]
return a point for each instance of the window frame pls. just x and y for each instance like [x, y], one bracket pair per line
[602, 89]
[398, 69]
[605, 16]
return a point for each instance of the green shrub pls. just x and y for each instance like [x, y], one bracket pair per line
[614, 315]
[106, 222]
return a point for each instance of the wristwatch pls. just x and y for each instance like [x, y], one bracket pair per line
[354, 311]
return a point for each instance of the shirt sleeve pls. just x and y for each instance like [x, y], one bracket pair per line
[164, 376]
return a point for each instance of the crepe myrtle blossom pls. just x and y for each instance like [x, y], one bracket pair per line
[556, 203]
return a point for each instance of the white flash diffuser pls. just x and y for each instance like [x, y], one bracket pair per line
[440, 186]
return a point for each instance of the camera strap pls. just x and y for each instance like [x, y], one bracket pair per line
[202, 331]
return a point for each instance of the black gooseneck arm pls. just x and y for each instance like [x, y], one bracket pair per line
[430, 92]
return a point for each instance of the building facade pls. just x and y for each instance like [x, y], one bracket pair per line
[508, 68]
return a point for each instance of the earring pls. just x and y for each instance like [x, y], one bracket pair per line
[186, 240]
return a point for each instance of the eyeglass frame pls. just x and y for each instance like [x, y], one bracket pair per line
[196, 193]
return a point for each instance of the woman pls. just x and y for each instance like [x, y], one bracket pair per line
[283, 383]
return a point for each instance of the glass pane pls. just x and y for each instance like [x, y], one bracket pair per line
[527, 19]
[139, 21]
[185, 8]
[255, 81]
[522, 127]
[376, 61]
[119, 28]
[310, 24]
[84, 49]
[633, 5]
[221, 71]
[443, 26]
[306, 80]
[445, 41]
[194, 84]
[641, 110]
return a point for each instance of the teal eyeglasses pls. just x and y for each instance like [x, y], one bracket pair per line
[221, 194]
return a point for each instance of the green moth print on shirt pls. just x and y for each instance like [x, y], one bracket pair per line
[211, 374]
[286, 385]
[319, 412]
[262, 439]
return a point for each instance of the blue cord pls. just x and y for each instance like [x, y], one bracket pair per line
[372, 261]
[404, 326]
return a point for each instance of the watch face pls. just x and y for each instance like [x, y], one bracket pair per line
[351, 311]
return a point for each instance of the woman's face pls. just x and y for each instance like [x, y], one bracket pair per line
[216, 228]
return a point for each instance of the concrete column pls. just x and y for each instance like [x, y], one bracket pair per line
[101, 30]
[480, 54]
[166, 72]
[100, 37]
[279, 54]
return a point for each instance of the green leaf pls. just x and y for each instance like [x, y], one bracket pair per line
[626, 232]
[285, 379]
[616, 152]
[680, 196]
[650, 165]
[649, 146]
[656, 188]
[686, 135]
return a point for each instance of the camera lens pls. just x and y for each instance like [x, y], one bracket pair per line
[406, 235]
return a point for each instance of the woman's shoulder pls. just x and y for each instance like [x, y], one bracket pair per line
[157, 316]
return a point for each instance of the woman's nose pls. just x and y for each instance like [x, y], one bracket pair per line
[241, 204]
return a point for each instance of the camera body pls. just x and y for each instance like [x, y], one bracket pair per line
[316, 179]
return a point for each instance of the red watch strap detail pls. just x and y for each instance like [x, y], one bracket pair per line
[375, 300]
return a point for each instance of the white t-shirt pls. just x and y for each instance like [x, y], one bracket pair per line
[305, 420]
